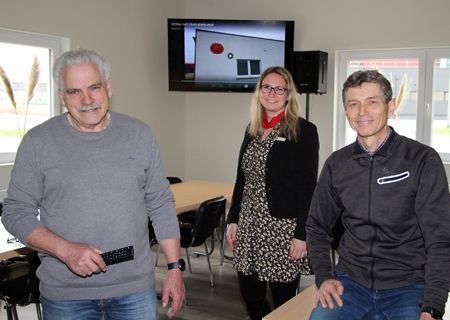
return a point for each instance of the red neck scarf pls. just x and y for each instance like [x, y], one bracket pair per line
[273, 122]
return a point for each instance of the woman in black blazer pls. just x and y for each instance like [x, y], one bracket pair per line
[276, 178]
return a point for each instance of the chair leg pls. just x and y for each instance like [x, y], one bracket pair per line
[209, 265]
[157, 254]
[297, 291]
[14, 312]
[38, 311]
[220, 243]
[9, 312]
[189, 260]
[185, 299]
[222, 253]
[223, 239]
[333, 257]
[213, 239]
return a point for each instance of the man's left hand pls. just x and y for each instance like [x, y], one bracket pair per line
[173, 288]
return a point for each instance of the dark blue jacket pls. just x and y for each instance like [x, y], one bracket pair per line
[291, 176]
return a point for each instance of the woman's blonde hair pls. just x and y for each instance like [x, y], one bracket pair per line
[292, 108]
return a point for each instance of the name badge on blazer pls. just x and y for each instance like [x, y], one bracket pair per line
[282, 139]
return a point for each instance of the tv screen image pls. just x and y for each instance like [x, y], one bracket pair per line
[225, 55]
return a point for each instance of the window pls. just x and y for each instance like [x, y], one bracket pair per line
[420, 79]
[23, 106]
[248, 68]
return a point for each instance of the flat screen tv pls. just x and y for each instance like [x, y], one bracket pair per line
[225, 55]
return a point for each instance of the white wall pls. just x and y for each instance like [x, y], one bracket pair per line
[324, 25]
[200, 133]
[132, 36]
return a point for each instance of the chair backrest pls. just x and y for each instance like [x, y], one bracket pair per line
[33, 280]
[151, 233]
[4, 271]
[207, 217]
[23, 289]
[173, 180]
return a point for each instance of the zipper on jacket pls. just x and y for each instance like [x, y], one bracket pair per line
[369, 213]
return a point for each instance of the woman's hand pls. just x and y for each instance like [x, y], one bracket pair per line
[231, 234]
[298, 249]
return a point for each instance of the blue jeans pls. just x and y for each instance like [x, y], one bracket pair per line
[137, 306]
[361, 303]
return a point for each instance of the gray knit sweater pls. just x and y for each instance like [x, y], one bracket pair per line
[93, 188]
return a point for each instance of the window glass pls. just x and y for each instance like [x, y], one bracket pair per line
[242, 68]
[255, 68]
[24, 92]
[440, 134]
[420, 80]
[26, 100]
[403, 75]
[248, 68]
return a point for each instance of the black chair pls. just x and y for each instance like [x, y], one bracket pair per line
[22, 290]
[182, 218]
[4, 272]
[151, 233]
[18, 259]
[185, 216]
[205, 223]
[173, 180]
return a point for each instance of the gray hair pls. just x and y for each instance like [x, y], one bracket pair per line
[79, 57]
[357, 78]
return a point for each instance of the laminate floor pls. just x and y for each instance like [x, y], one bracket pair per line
[223, 301]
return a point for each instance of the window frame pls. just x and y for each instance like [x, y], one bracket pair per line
[56, 45]
[426, 57]
[250, 63]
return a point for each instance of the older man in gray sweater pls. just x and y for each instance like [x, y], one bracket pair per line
[94, 176]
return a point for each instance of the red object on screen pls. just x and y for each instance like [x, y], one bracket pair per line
[216, 48]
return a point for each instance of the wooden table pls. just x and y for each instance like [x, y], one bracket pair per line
[298, 308]
[10, 250]
[190, 194]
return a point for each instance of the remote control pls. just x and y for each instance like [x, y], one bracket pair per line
[118, 255]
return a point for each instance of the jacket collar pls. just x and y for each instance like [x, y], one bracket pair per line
[361, 153]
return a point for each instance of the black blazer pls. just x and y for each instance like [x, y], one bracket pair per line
[291, 177]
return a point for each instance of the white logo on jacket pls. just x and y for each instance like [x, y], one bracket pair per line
[394, 178]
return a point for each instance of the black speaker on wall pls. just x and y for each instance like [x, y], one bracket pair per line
[309, 70]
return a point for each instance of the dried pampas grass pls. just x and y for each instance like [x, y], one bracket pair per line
[10, 93]
[8, 87]
[33, 79]
[401, 93]
[400, 97]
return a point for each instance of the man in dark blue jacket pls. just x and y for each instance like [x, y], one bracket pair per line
[392, 195]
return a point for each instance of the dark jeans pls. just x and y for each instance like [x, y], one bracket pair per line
[253, 292]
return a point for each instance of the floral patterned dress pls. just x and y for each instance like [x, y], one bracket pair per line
[262, 242]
